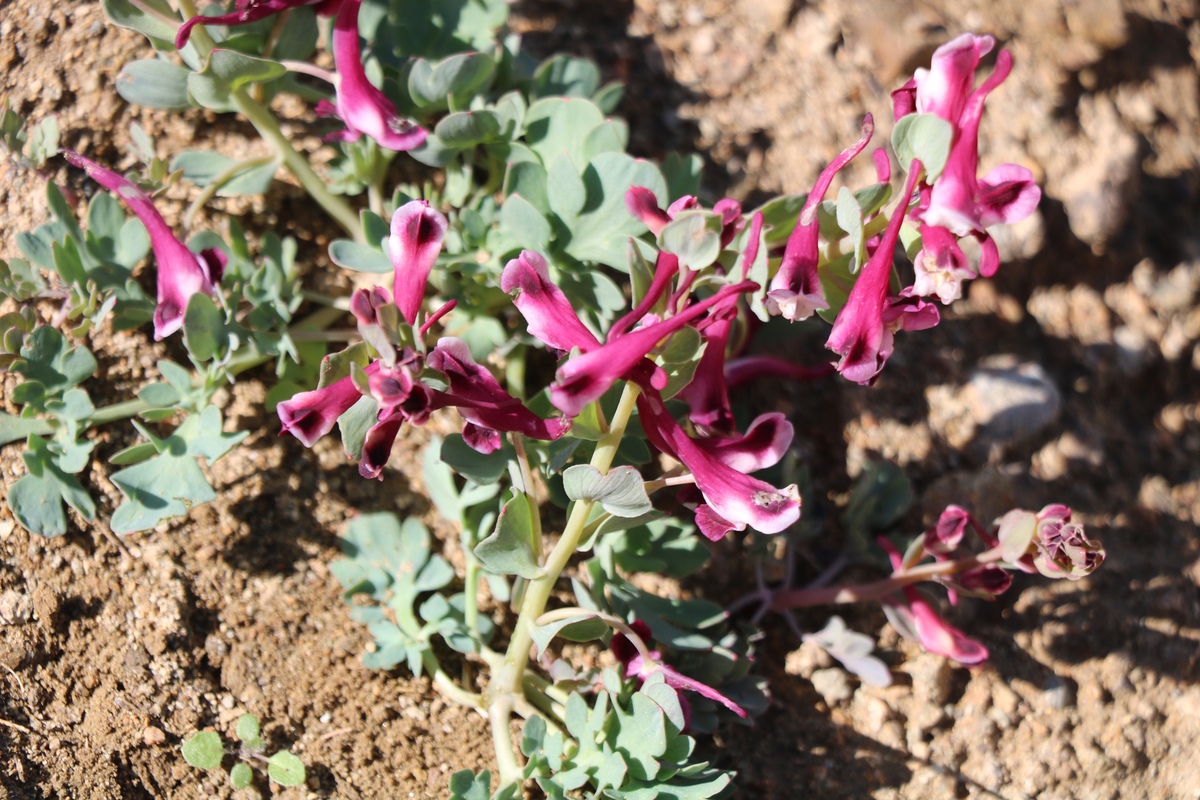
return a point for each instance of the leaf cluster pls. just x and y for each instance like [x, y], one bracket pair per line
[206, 750]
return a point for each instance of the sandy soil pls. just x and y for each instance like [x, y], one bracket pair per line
[112, 655]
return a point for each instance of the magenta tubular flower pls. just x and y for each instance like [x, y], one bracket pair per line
[377, 446]
[762, 445]
[546, 309]
[961, 202]
[636, 666]
[666, 267]
[362, 106]
[482, 401]
[310, 415]
[795, 292]
[938, 636]
[416, 241]
[587, 377]
[247, 11]
[365, 304]
[859, 334]
[707, 394]
[181, 273]
[945, 537]
[642, 204]
[941, 266]
[733, 500]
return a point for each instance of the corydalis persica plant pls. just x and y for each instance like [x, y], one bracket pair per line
[181, 273]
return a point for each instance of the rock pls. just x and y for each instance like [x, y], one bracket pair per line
[1012, 401]
[833, 685]
[1004, 402]
[1057, 693]
[153, 736]
[15, 608]
[1134, 351]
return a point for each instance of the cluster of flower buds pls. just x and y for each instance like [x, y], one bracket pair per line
[1046, 542]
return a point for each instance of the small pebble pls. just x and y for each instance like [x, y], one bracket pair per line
[153, 736]
[1058, 693]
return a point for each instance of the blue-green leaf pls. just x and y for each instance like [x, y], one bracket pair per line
[508, 551]
[926, 137]
[154, 83]
[358, 257]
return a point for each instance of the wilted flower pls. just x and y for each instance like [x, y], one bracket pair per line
[1063, 547]
[181, 273]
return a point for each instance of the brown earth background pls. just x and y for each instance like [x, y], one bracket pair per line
[112, 654]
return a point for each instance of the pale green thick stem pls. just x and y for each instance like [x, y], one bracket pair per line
[509, 680]
[268, 127]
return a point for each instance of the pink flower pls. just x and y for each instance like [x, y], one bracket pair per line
[362, 106]
[181, 273]
[546, 309]
[859, 333]
[938, 636]
[637, 666]
[482, 401]
[247, 11]
[961, 202]
[763, 444]
[377, 446]
[733, 500]
[795, 292]
[641, 203]
[707, 395]
[416, 241]
[941, 266]
[587, 377]
[310, 415]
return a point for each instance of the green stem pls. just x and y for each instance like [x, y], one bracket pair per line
[268, 128]
[510, 678]
[218, 182]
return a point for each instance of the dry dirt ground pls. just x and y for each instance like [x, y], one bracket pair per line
[112, 655]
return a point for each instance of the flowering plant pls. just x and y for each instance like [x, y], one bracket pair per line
[586, 315]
